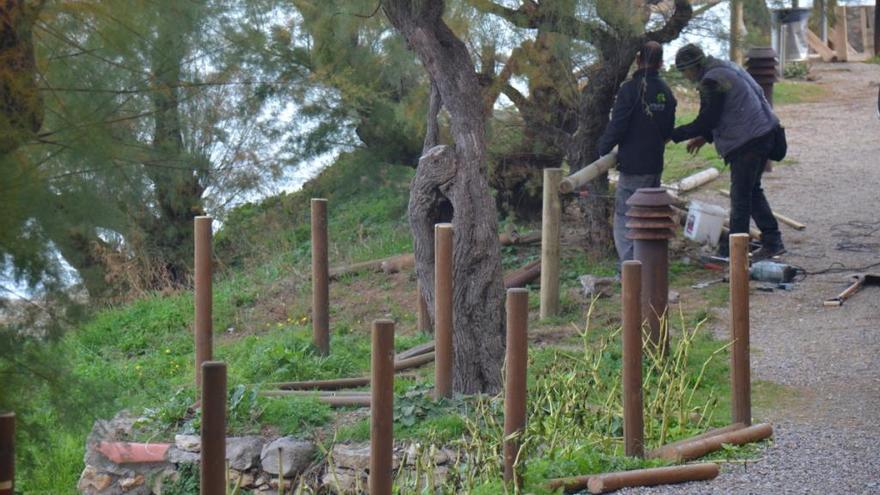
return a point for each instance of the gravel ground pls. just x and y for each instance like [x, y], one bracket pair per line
[827, 419]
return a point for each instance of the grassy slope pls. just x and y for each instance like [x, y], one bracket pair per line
[139, 355]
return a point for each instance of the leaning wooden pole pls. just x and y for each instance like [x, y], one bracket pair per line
[633, 415]
[740, 374]
[550, 243]
[443, 312]
[203, 330]
[515, 378]
[213, 457]
[7, 454]
[320, 278]
[382, 408]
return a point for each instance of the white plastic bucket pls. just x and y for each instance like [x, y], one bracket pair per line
[704, 222]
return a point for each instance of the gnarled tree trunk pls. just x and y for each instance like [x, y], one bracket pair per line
[454, 177]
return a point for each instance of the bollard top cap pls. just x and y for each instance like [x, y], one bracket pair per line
[650, 196]
[213, 364]
[517, 290]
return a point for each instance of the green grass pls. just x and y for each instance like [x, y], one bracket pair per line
[138, 356]
[789, 92]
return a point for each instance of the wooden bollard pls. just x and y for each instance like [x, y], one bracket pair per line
[443, 312]
[320, 278]
[740, 374]
[7, 454]
[213, 458]
[424, 318]
[204, 329]
[633, 414]
[604, 483]
[515, 379]
[550, 243]
[382, 408]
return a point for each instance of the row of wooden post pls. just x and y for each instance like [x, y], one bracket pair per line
[740, 375]
[211, 376]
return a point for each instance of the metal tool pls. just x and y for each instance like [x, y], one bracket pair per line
[703, 285]
[859, 281]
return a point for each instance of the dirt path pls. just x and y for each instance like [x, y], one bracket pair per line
[827, 417]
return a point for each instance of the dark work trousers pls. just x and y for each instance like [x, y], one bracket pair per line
[627, 185]
[747, 198]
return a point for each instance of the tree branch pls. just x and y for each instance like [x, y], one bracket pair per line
[673, 27]
[531, 15]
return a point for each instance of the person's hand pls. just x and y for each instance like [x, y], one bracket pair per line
[694, 145]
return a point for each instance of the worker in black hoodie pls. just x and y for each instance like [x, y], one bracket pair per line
[641, 122]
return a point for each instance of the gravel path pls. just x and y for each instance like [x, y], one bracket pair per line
[827, 421]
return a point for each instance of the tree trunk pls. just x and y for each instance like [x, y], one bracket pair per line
[456, 176]
[174, 174]
[597, 98]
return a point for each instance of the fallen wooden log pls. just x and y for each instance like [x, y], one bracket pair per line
[699, 447]
[782, 218]
[362, 381]
[415, 351]
[398, 263]
[339, 399]
[696, 180]
[313, 393]
[639, 477]
[364, 266]
[670, 447]
[604, 483]
[523, 275]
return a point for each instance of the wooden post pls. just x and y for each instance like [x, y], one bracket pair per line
[633, 415]
[867, 37]
[320, 278]
[736, 20]
[382, 408]
[203, 330]
[424, 317]
[876, 29]
[7, 454]
[213, 459]
[515, 379]
[823, 22]
[443, 310]
[740, 374]
[550, 243]
[841, 36]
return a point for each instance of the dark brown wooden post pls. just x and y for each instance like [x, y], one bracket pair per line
[204, 329]
[382, 408]
[213, 458]
[633, 414]
[443, 311]
[320, 278]
[515, 380]
[7, 454]
[740, 373]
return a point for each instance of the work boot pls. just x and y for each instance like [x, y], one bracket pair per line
[767, 252]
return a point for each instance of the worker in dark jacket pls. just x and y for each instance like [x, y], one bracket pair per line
[641, 123]
[735, 115]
